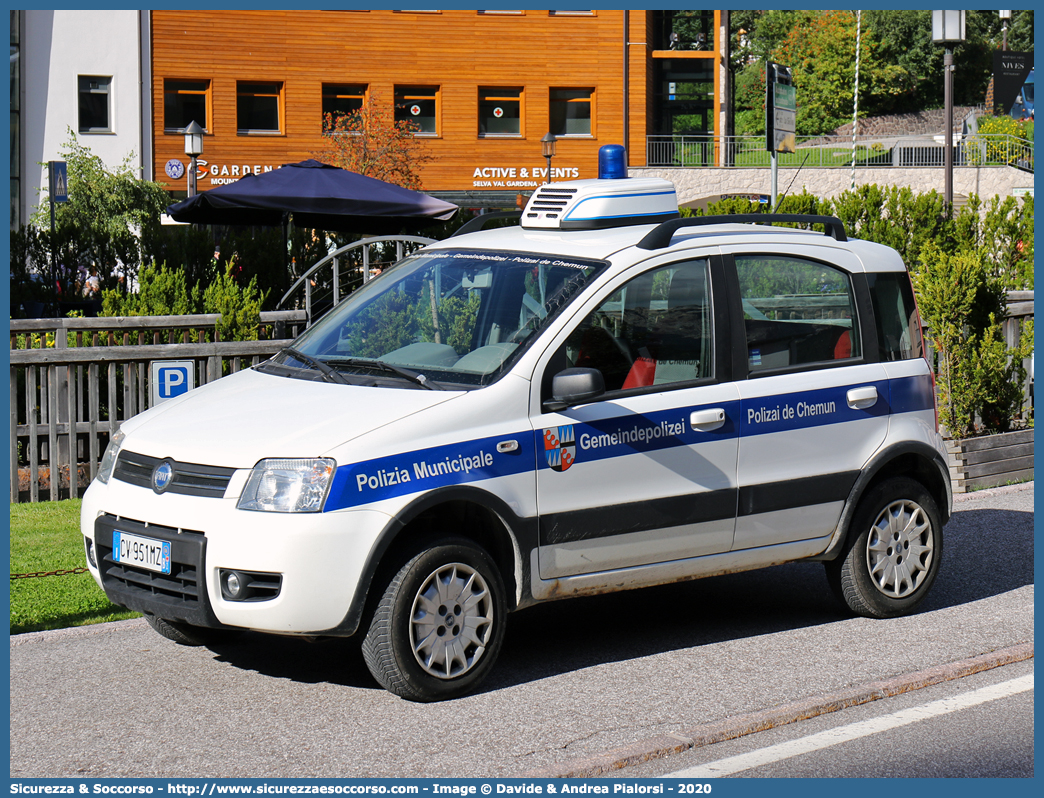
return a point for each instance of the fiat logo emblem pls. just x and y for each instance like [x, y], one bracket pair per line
[162, 476]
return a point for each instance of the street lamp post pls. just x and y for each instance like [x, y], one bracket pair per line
[948, 28]
[547, 144]
[193, 149]
[1005, 19]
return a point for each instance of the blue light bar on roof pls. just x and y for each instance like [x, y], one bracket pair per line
[612, 162]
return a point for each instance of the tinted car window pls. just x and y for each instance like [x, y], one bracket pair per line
[458, 316]
[898, 327]
[655, 330]
[795, 311]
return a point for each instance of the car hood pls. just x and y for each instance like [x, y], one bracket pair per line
[248, 416]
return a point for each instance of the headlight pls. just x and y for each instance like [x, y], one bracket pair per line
[287, 486]
[108, 461]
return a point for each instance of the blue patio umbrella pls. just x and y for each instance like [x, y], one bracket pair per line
[317, 195]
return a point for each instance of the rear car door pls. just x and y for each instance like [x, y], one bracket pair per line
[647, 472]
[815, 404]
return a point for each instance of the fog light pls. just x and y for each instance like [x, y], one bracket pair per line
[248, 585]
[233, 585]
[90, 552]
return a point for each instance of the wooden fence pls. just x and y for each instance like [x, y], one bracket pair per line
[74, 381]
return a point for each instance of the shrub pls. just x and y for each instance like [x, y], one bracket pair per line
[239, 306]
[166, 292]
[962, 303]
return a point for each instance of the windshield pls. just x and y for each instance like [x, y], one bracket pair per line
[453, 316]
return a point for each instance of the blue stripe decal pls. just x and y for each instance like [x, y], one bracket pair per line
[910, 394]
[558, 448]
[804, 409]
[631, 433]
[570, 214]
[369, 481]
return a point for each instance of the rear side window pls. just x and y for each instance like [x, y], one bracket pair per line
[795, 312]
[898, 326]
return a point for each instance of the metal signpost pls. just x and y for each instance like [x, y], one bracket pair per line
[57, 191]
[780, 117]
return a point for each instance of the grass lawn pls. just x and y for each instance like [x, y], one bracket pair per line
[46, 537]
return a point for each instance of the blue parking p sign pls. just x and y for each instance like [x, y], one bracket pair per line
[170, 378]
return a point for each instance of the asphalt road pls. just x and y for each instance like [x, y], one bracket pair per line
[980, 726]
[577, 682]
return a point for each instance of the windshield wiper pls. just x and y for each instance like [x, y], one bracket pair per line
[413, 376]
[328, 373]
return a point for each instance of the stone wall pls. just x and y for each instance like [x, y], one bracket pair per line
[703, 183]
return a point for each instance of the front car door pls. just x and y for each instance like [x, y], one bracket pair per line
[646, 473]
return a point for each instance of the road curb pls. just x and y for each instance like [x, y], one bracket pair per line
[742, 725]
[73, 631]
[988, 492]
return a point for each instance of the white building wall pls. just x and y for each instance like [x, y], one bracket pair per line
[58, 47]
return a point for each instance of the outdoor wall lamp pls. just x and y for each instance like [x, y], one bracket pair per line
[193, 149]
[948, 29]
[547, 144]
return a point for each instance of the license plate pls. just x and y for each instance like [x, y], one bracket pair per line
[153, 555]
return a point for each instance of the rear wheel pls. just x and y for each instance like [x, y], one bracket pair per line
[186, 634]
[893, 551]
[439, 625]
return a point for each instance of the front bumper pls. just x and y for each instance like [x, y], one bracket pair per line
[319, 558]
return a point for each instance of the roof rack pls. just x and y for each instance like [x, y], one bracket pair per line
[660, 237]
[480, 221]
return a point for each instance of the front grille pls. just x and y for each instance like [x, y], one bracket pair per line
[189, 478]
[179, 595]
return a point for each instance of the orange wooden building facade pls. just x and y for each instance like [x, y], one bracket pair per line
[484, 86]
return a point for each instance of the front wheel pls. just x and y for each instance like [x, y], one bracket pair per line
[439, 625]
[893, 551]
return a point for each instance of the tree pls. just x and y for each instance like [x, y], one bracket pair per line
[821, 54]
[371, 142]
[107, 211]
[900, 65]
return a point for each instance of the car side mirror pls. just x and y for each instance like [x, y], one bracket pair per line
[573, 387]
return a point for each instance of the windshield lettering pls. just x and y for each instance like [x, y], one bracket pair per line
[451, 316]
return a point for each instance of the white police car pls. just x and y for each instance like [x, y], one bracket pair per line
[604, 397]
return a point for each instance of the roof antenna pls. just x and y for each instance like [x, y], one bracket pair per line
[784, 194]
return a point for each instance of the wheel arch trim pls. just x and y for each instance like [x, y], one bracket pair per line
[518, 535]
[871, 474]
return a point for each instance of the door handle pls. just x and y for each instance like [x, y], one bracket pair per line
[862, 398]
[707, 420]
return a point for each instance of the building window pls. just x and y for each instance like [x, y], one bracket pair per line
[341, 99]
[418, 105]
[571, 112]
[683, 94]
[94, 104]
[683, 30]
[259, 108]
[500, 111]
[185, 101]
